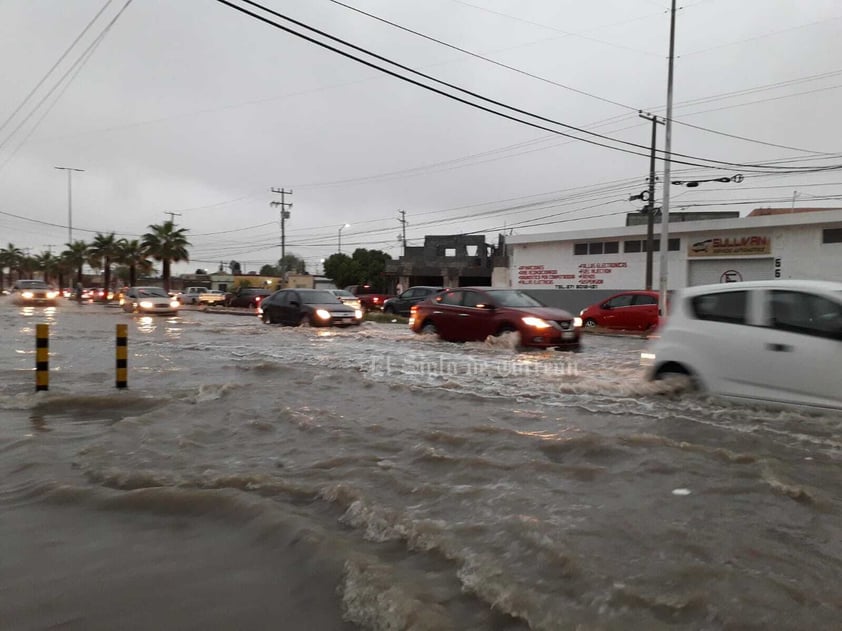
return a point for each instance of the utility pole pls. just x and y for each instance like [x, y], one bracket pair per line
[172, 216]
[665, 210]
[650, 203]
[403, 223]
[284, 216]
[69, 201]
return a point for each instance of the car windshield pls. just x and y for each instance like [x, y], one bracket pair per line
[514, 298]
[151, 292]
[317, 297]
[33, 284]
[342, 293]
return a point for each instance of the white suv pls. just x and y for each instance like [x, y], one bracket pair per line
[775, 342]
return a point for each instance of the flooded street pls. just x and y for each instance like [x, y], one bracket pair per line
[261, 477]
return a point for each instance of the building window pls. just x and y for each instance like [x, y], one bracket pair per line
[597, 247]
[640, 246]
[832, 235]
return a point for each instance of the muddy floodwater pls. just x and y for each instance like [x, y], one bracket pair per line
[262, 477]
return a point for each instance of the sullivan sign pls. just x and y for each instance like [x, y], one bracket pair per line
[731, 246]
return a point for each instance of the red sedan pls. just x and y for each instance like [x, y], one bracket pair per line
[630, 311]
[470, 314]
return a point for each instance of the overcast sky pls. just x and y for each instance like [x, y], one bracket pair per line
[194, 108]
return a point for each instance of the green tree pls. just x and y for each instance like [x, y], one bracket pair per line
[10, 257]
[104, 250]
[363, 266]
[167, 244]
[133, 254]
[292, 263]
[76, 255]
[269, 270]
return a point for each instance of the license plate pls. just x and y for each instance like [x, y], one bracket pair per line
[568, 335]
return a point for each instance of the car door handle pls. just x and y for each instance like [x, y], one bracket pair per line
[437, 312]
[778, 348]
[464, 315]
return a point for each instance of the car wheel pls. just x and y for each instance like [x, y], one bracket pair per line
[429, 329]
[676, 372]
[267, 319]
[304, 321]
[508, 328]
[590, 323]
[389, 309]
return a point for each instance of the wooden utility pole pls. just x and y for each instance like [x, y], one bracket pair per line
[650, 203]
[284, 216]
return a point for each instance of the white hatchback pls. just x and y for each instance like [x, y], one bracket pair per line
[776, 342]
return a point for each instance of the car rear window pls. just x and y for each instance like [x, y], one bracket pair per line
[722, 306]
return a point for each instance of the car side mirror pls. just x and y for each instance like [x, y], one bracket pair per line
[489, 306]
[294, 303]
[606, 305]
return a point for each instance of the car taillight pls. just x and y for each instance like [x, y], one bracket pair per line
[413, 309]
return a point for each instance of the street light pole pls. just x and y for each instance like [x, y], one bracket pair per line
[665, 205]
[69, 202]
[341, 228]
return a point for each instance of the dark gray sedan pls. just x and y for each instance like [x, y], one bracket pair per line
[307, 307]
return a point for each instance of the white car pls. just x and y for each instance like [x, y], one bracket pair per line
[777, 341]
[149, 300]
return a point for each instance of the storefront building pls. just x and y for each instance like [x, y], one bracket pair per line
[767, 244]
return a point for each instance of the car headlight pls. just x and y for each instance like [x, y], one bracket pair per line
[145, 304]
[52, 294]
[174, 304]
[358, 314]
[577, 321]
[28, 295]
[536, 323]
[323, 314]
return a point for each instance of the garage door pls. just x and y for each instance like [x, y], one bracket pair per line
[729, 270]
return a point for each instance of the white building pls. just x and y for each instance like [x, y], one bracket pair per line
[769, 243]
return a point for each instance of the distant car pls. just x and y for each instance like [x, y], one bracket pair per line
[33, 292]
[307, 307]
[149, 300]
[249, 297]
[402, 303]
[630, 310]
[346, 298]
[473, 314]
[776, 342]
[370, 299]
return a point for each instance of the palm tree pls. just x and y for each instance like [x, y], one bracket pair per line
[48, 263]
[12, 258]
[101, 253]
[76, 255]
[133, 255]
[167, 244]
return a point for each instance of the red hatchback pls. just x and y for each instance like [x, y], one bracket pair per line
[630, 310]
[470, 314]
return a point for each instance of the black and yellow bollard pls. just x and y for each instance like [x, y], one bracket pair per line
[122, 356]
[42, 357]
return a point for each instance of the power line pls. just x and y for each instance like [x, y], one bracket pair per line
[729, 165]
